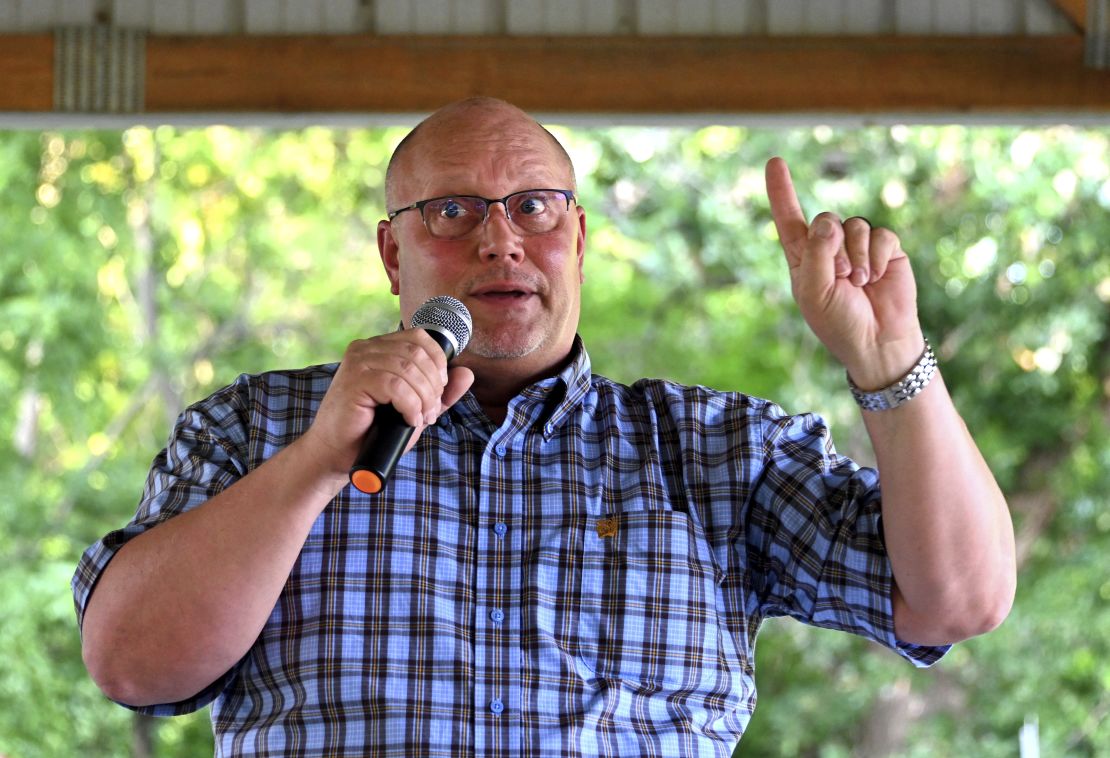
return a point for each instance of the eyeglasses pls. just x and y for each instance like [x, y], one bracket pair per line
[535, 211]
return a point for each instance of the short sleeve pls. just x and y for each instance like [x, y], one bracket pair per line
[205, 455]
[814, 537]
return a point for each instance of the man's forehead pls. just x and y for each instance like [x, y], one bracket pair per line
[493, 174]
[506, 134]
[478, 141]
[456, 163]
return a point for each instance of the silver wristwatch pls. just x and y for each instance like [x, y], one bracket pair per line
[903, 390]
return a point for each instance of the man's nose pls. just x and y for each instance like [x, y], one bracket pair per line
[498, 236]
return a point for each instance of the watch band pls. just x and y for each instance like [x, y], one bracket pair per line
[903, 390]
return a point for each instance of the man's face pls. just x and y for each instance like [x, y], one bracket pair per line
[523, 291]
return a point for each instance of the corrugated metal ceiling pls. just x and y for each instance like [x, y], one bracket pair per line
[544, 17]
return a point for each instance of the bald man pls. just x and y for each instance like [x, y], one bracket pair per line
[561, 565]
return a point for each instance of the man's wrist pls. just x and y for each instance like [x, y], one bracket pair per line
[315, 461]
[903, 389]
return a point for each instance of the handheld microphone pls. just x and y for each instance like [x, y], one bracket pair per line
[448, 322]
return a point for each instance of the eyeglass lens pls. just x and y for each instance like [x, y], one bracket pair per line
[532, 211]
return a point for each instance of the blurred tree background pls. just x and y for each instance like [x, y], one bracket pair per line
[141, 270]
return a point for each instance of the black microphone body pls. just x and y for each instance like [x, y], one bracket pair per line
[448, 322]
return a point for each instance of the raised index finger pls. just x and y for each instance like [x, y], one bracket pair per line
[790, 221]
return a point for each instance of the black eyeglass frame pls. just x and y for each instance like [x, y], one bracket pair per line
[568, 195]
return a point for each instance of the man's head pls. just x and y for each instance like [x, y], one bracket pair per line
[522, 288]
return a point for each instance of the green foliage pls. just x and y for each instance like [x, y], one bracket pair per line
[141, 270]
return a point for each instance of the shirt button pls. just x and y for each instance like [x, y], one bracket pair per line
[497, 615]
[496, 706]
[500, 450]
[500, 528]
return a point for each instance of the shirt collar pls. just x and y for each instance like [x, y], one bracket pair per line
[566, 389]
[558, 394]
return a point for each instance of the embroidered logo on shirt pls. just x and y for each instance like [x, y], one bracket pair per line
[607, 527]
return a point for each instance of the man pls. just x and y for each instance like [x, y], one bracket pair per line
[560, 565]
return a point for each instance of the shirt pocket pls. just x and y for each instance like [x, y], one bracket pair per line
[645, 597]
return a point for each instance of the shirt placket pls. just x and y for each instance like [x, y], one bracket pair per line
[497, 595]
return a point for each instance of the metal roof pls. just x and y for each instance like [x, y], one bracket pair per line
[546, 17]
[328, 60]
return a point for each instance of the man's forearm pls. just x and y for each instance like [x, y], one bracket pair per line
[183, 602]
[947, 527]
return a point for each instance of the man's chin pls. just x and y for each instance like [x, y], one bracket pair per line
[506, 342]
[500, 349]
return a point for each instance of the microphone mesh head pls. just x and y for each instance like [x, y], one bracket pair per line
[448, 316]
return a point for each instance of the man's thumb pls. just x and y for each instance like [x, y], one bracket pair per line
[459, 380]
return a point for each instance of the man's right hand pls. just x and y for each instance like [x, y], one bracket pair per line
[405, 369]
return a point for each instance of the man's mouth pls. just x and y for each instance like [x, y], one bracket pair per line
[502, 293]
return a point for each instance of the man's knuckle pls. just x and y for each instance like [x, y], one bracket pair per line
[885, 236]
[394, 384]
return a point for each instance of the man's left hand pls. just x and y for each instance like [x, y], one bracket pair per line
[853, 284]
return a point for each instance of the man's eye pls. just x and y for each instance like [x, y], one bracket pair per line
[533, 205]
[452, 209]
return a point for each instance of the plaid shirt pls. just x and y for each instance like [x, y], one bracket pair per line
[586, 579]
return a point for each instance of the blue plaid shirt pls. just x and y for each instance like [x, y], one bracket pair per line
[587, 578]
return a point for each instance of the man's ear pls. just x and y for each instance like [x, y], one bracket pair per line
[581, 242]
[389, 252]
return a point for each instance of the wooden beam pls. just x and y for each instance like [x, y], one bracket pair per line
[619, 75]
[625, 74]
[27, 72]
[1075, 11]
